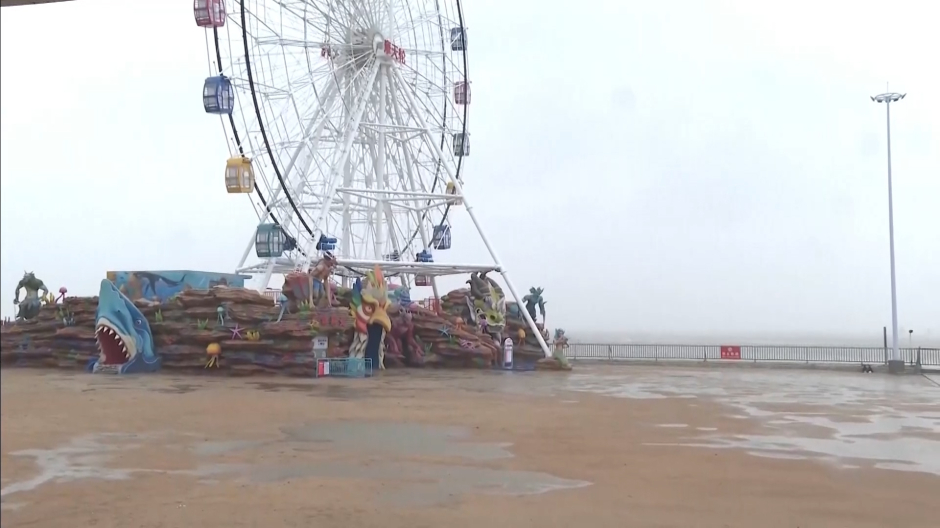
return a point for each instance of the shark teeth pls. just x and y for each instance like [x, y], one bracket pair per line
[110, 344]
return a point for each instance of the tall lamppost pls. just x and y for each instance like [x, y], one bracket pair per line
[895, 363]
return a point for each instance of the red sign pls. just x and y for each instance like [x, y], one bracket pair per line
[730, 352]
[397, 54]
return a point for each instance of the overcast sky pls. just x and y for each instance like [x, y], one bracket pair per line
[675, 167]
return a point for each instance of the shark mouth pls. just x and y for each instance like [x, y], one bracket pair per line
[114, 348]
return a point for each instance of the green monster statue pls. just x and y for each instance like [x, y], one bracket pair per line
[534, 299]
[31, 304]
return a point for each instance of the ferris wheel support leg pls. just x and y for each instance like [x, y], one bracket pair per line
[349, 137]
[380, 164]
[469, 208]
[346, 235]
[323, 110]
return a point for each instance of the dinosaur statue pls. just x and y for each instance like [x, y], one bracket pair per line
[535, 300]
[368, 308]
[487, 304]
[125, 343]
[32, 303]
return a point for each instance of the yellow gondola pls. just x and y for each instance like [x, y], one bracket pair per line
[239, 177]
[452, 189]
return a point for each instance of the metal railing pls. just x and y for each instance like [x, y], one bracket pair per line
[927, 357]
[345, 367]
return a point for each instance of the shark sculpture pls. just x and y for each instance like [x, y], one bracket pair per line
[125, 342]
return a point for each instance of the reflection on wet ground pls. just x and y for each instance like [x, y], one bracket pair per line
[885, 421]
[354, 450]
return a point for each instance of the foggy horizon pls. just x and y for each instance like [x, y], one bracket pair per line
[711, 169]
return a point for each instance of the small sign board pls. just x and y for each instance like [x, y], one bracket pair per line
[730, 352]
[320, 344]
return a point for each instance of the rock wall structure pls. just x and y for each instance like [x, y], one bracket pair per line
[255, 337]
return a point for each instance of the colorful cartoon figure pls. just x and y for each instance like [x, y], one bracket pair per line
[487, 305]
[123, 335]
[535, 300]
[369, 309]
[31, 304]
[213, 352]
[402, 340]
[400, 295]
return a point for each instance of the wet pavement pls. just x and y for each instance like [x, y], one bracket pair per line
[889, 422]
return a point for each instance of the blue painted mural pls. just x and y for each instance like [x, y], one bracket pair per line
[161, 285]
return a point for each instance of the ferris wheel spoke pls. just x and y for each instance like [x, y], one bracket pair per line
[310, 141]
[349, 135]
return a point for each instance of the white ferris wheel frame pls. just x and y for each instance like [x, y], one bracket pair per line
[367, 164]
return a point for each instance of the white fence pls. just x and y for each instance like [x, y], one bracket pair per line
[927, 357]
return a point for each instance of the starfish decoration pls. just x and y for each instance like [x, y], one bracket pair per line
[236, 332]
[444, 331]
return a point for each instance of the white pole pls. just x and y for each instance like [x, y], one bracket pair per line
[895, 352]
[459, 188]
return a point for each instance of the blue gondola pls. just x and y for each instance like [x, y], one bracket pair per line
[218, 96]
[461, 144]
[271, 241]
[424, 256]
[441, 237]
[326, 243]
[458, 39]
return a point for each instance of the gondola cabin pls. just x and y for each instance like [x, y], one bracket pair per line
[209, 13]
[239, 178]
[218, 95]
[441, 237]
[458, 39]
[461, 144]
[462, 93]
[452, 189]
[271, 241]
[422, 280]
[394, 256]
[424, 256]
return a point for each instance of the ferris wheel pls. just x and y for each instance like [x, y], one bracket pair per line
[347, 124]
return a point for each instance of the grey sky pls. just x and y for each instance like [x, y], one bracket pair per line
[669, 167]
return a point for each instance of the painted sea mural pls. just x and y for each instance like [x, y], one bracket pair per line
[163, 284]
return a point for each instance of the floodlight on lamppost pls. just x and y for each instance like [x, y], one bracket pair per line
[895, 363]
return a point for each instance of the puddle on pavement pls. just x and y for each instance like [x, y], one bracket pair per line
[399, 439]
[420, 484]
[416, 483]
